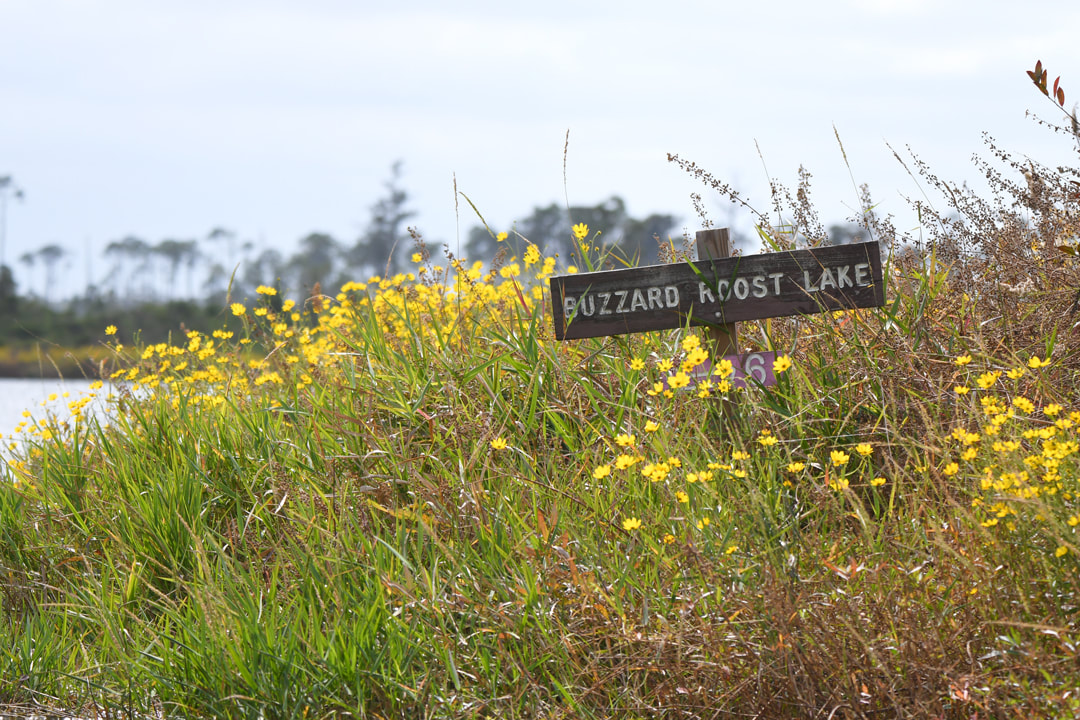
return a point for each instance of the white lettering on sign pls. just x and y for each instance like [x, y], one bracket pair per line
[705, 293]
[740, 288]
[655, 301]
[842, 278]
[836, 278]
[667, 297]
[861, 271]
[754, 366]
[622, 301]
[621, 294]
[776, 281]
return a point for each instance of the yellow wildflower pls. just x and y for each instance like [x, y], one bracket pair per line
[498, 444]
[532, 255]
[724, 368]
[695, 357]
[631, 523]
[781, 364]
[678, 380]
[1022, 404]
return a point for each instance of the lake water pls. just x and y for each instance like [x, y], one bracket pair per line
[20, 395]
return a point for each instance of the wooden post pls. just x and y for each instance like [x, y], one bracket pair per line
[715, 245]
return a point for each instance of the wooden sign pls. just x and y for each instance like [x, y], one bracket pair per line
[716, 292]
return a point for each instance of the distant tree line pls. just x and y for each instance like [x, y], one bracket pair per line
[637, 241]
[222, 265]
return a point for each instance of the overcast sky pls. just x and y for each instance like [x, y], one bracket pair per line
[165, 119]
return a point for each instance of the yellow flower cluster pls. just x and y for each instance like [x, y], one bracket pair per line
[1022, 457]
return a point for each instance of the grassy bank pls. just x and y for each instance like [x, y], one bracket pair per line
[408, 500]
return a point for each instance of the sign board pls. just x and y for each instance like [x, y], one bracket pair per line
[747, 368]
[713, 292]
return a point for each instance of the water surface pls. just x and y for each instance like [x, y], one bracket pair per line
[20, 395]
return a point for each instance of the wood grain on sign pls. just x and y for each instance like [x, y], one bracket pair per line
[717, 291]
